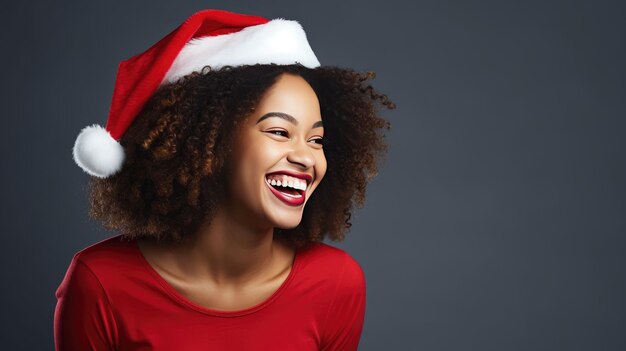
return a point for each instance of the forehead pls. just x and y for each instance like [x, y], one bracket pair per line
[291, 94]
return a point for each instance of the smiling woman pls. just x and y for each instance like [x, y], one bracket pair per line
[223, 181]
[180, 149]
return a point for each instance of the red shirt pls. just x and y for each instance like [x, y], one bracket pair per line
[112, 299]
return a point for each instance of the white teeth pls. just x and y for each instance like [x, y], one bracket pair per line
[290, 182]
[274, 182]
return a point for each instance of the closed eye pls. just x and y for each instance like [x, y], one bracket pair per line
[319, 141]
[278, 131]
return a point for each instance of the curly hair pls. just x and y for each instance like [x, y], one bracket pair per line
[178, 147]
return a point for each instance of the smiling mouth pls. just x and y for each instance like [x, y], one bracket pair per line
[286, 190]
[288, 195]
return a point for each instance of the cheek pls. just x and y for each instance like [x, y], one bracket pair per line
[255, 161]
[321, 166]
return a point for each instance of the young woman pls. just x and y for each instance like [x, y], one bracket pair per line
[228, 156]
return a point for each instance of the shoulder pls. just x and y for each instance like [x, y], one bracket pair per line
[84, 317]
[106, 254]
[342, 319]
[334, 265]
[98, 262]
[321, 251]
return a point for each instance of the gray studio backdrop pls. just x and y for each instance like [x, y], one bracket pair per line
[497, 221]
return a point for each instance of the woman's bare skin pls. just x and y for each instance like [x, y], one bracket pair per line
[234, 261]
[214, 296]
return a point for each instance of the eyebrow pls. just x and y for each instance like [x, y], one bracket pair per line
[288, 118]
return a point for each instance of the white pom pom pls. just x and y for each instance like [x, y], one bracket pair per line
[97, 152]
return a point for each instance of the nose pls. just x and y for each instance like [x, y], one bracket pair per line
[301, 154]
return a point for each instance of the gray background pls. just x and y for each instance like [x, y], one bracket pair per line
[497, 221]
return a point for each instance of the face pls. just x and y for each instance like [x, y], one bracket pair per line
[278, 144]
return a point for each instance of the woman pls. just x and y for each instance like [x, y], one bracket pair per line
[207, 168]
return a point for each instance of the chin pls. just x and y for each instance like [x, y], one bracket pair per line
[287, 223]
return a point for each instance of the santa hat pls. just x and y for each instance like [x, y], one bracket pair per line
[209, 37]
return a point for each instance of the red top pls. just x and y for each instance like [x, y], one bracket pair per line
[112, 299]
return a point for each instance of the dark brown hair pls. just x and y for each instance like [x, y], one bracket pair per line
[177, 152]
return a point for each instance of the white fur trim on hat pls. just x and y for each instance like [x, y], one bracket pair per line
[278, 41]
[97, 152]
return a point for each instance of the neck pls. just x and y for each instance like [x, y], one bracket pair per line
[227, 252]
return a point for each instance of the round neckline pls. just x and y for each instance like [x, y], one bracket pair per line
[213, 312]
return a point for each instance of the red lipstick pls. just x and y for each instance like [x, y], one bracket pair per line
[291, 200]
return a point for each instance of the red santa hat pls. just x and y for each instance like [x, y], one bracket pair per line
[209, 37]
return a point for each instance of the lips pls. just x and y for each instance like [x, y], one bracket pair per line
[291, 200]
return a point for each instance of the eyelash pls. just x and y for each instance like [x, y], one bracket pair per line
[282, 131]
